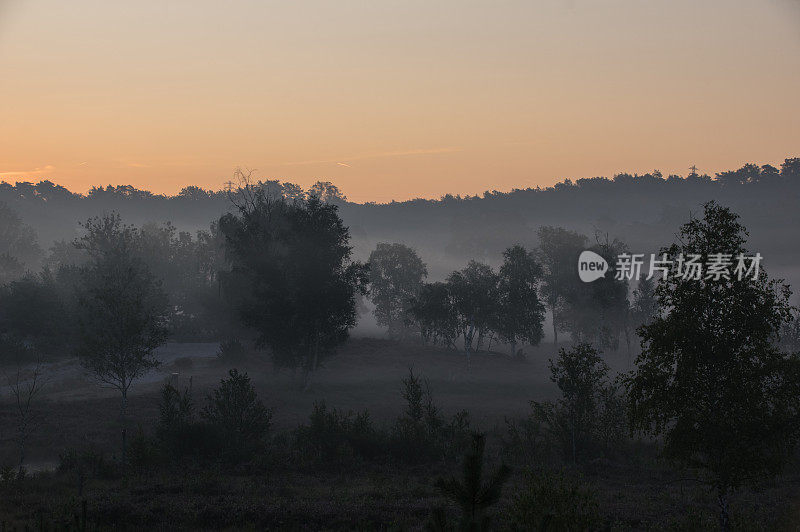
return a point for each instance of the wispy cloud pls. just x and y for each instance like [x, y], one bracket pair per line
[25, 173]
[343, 164]
[377, 155]
[128, 163]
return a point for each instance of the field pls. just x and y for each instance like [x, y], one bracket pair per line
[639, 492]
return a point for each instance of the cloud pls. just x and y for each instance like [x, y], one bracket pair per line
[127, 163]
[377, 155]
[34, 172]
[344, 164]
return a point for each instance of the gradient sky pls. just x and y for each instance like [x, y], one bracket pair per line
[393, 99]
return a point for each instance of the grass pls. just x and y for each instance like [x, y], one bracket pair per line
[639, 493]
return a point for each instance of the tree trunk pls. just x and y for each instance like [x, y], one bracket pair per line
[21, 452]
[628, 342]
[555, 329]
[314, 364]
[469, 334]
[123, 411]
[574, 450]
[724, 515]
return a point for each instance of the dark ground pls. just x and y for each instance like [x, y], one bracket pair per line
[639, 493]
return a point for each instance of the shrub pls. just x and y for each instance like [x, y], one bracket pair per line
[415, 434]
[543, 436]
[234, 410]
[554, 501]
[143, 452]
[421, 434]
[179, 435]
[589, 420]
[474, 494]
[333, 436]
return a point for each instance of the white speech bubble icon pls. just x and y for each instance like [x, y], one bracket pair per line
[591, 266]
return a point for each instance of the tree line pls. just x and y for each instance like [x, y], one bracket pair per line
[638, 208]
[479, 305]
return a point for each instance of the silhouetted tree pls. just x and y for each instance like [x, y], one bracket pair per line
[520, 313]
[291, 276]
[473, 493]
[433, 312]
[396, 275]
[790, 170]
[19, 249]
[326, 192]
[558, 253]
[37, 311]
[596, 312]
[475, 299]
[239, 416]
[581, 375]
[121, 308]
[25, 393]
[710, 377]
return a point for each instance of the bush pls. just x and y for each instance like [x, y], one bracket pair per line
[554, 501]
[179, 434]
[542, 437]
[475, 493]
[415, 435]
[234, 410]
[143, 452]
[421, 434]
[333, 436]
[588, 422]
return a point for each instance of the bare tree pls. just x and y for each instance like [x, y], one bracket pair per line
[25, 393]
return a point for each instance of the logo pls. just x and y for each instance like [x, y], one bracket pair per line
[591, 266]
[692, 266]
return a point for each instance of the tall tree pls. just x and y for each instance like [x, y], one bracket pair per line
[396, 275]
[291, 276]
[520, 313]
[434, 314]
[558, 253]
[474, 293]
[122, 307]
[581, 375]
[596, 312]
[710, 377]
[641, 311]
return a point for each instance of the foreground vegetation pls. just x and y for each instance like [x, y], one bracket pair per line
[340, 469]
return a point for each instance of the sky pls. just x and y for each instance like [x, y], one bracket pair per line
[393, 99]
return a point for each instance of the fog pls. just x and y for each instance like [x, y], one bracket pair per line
[272, 357]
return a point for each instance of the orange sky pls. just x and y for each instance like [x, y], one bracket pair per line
[393, 99]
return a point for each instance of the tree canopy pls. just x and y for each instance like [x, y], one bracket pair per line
[711, 378]
[291, 277]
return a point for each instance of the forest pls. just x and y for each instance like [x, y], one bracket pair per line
[269, 357]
